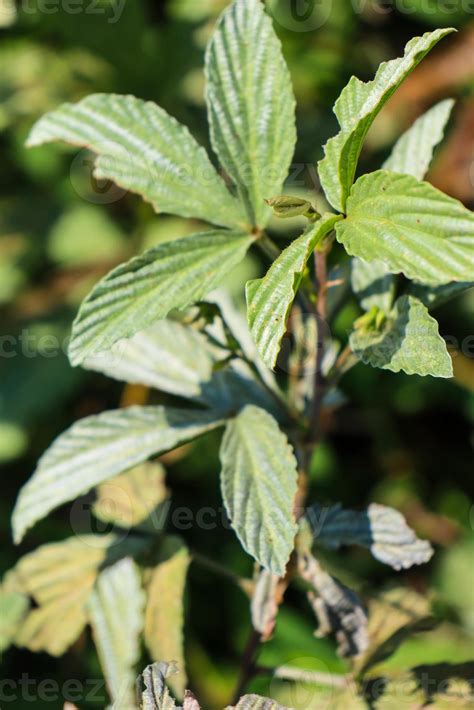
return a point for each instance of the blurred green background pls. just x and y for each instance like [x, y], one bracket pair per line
[400, 440]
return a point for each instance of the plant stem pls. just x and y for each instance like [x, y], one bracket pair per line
[248, 668]
[268, 247]
[318, 382]
[246, 585]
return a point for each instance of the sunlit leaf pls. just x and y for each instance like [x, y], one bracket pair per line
[413, 152]
[164, 615]
[338, 609]
[136, 498]
[269, 300]
[408, 340]
[357, 108]
[99, 447]
[143, 149]
[258, 479]
[409, 225]
[381, 529]
[60, 577]
[250, 103]
[115, 611]
[145, 289]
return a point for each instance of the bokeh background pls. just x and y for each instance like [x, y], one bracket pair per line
[399, 440]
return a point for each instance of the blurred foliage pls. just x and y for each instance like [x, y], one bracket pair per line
[399, 440]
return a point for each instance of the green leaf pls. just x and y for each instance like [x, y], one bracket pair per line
[258, 479]
[164, 615]
[413, 152]
[99, 447]
[409, 225]
[13, 609]
[357, 108]
[269, 300]
[251, 106]
[373, 284]
[169, 356]
[381, 529]
[338, 609]
[143, 149]
[115, 610]
[145, 289]
[409, 340]
[60, 578]
[155, 695]
[135, 499]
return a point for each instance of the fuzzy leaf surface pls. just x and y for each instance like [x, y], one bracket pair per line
[258, 480]
[409, 341]
[251, 106]
[356, 110]
[133, 296]
[413, 151]
[269, 299]
[411, 226]
[115, 611]
[143, 149]
[99, 447]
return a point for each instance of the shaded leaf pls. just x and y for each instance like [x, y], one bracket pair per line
[409, 225]
[338, 609]
[115, 611]
[373, 284]
[258, 480]
[357, 108]
[143, 149]
[134, 499]
[164, 615]
[251, 107]
[169, 356]
[413, 152]
[409, 340]
[99, 447]
[145, 289]
[434, 296]
[60, 577]
[13, 608]
[381, 529]
[269, 300]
